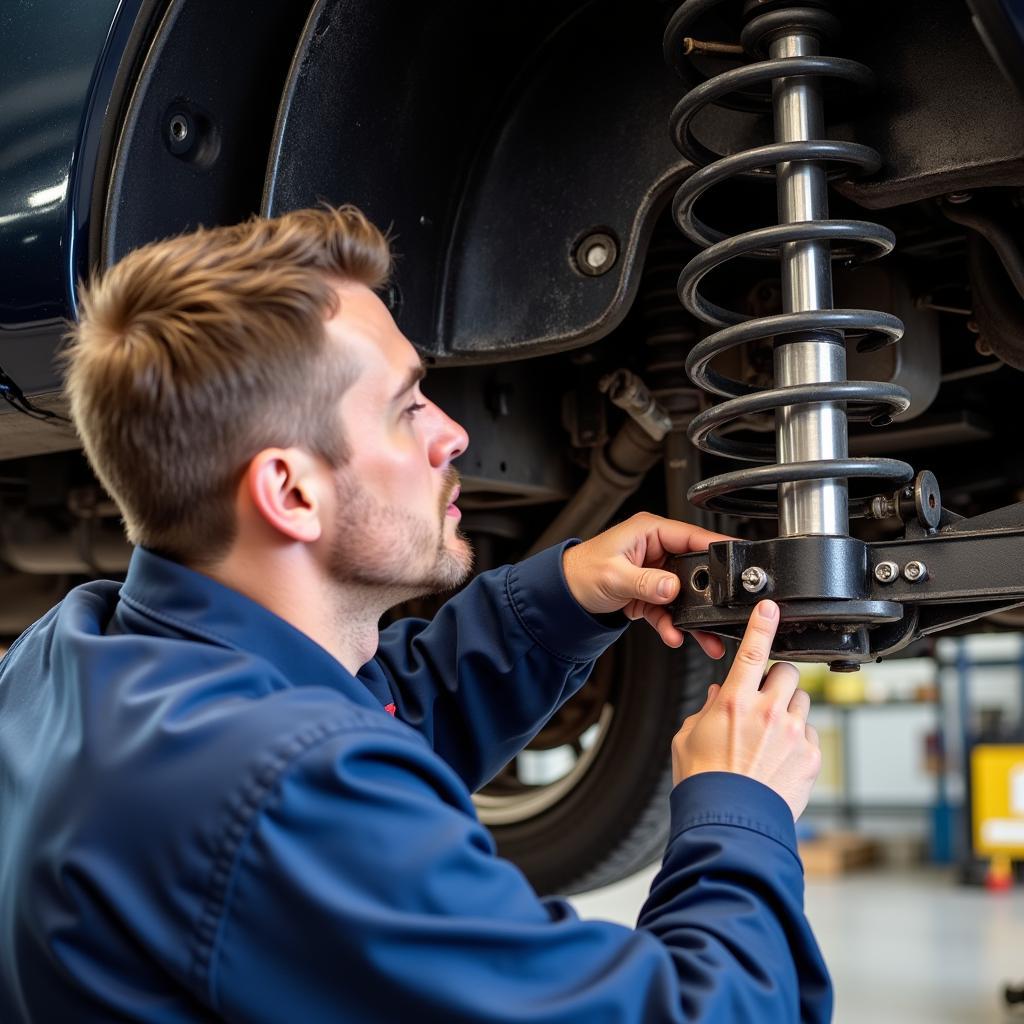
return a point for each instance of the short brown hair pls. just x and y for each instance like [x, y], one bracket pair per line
[194, 353]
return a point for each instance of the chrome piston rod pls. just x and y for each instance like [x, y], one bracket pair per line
[811, 432]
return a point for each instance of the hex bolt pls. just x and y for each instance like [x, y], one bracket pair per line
[915, 572]
[596, 254]
[754, 579]
[886, 572]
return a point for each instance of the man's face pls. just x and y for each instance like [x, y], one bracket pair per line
[396, 524]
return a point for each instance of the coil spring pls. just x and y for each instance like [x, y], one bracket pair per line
[850, 241]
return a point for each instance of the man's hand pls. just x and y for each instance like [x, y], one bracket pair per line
[621, 568]
[752, 728]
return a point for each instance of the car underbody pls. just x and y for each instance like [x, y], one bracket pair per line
[752, 265]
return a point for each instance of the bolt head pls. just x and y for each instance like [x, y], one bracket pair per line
[915, 571]
[886, 572]
[754, 579]
[596, 254]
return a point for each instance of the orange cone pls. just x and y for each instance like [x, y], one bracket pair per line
[1000, 874]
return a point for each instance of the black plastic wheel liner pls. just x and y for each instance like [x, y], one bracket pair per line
[223, 68]
[492, 147]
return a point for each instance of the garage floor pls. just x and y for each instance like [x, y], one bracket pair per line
[903, 948]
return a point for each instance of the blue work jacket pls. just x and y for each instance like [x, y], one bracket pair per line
[204, 816]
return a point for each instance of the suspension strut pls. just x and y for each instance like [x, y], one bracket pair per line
[843, 600]
[815, 568]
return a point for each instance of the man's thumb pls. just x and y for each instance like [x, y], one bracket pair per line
[657, 587]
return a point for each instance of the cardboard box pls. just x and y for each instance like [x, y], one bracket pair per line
[835, 853]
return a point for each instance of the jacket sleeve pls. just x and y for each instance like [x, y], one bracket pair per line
[365, 890]
[480, 679]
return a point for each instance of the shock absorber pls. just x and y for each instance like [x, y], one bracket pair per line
[813, 402]
[812, 397]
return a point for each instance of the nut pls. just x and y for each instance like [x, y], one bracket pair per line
[754, 579]
[883, 507]
[886, 572]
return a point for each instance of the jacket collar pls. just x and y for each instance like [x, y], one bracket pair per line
[194, 604]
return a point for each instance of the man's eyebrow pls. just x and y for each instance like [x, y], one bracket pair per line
[412, 378]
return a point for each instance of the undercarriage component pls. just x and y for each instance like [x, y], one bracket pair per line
[495, 403]
[89, 547]
[990, 225]
[996, 270]
[843, 600]
[913, 363]
[848, 601]
[628, 392]
[616, 471]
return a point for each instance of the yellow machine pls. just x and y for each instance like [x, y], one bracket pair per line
[997, 806]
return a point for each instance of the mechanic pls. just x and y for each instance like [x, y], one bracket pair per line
[226, 795]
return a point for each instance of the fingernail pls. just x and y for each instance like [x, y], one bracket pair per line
[667, 587]
[768, 610]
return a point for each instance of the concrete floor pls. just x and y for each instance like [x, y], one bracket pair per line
[908, 947]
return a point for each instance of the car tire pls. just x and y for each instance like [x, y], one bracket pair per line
[614, 820]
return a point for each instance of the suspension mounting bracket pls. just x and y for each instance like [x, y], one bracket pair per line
[848, 601]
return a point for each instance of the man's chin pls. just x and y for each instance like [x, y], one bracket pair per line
[453, 567]
[457, 562]
[449, 573]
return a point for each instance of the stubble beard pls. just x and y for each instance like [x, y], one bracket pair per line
[390, 551]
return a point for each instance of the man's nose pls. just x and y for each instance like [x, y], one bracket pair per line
[450, 440]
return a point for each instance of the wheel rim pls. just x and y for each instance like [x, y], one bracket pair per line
[528, 801]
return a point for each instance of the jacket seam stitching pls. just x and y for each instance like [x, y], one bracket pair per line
[736, 821]
[174, 620]
[208, 932]
[529, 632]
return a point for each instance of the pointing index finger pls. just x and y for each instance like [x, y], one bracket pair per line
[755, 649]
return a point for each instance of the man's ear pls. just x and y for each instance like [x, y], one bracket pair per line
[285, 488]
